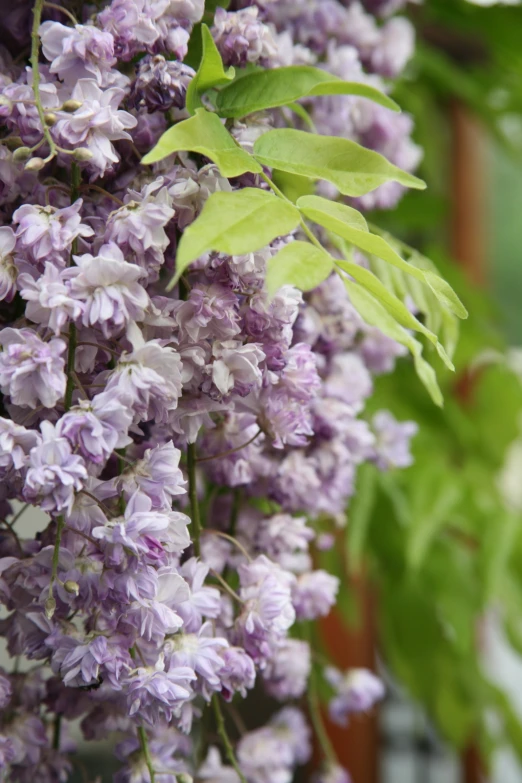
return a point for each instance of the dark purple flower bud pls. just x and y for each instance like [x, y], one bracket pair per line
[161, 84]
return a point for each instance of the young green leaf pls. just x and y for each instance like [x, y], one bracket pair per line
[235, 223]
[280, 86]
[374, 313]
[393, 305]
[205, 135]
[211, 72]
[353, 169]
[300, 264]
[346, 222]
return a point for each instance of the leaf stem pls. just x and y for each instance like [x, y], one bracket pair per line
[57, 7]
[145, 749]
[309, 233]
[222, 731]
[193, 497]
[231, 451]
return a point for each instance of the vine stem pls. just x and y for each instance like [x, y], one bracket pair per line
[225, 739]
[35, 52]
[193, 497]
[73, 337]
[57, 7]
[145, 748]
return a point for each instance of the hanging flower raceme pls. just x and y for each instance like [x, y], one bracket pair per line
[195, 446]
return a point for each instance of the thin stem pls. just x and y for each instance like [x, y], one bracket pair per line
[15, 536]
[222, 731]
[231, 539]
[75, 190]
[230, 451]
[35, 51]
[98, 502]
[193, 496]
[57, 7]
[56, 731]
[51, 603]
[100, 347]
[226, 586]
[17, 516]
[316, 716]
[104, 192]
[145, 749]
[313, 239]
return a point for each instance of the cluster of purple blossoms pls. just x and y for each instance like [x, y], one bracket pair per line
[190, 449]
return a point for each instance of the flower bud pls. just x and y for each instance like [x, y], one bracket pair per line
[50, 118]
[82, 154]
[21, 154]
[4, 101]
[184, 777]
[71, 105]
[50, 607]
[72, 587]
[13, 142]
[35, 164]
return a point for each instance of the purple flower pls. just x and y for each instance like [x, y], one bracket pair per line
[157, 475]
[202, 653]
[238, 672]
[332, 773]
[79, 661]
[96, 124]
[97, 427]
[242, 38]
[49, 297]
[210, 311]
[283, 538]
[395, 48]
[236, 367]
[285, 419]
[203, 601]
[131, 25]
[31, 370]
[392, 447]
[54, 472]
[141, 527]
[78, 52]
[109, 290]
[357, 690]
[7, 267]
[161, 84]
[5, 691]
[314, 593]
[46, 234]
[286, 674]
[267, 613]
[15, 444]
[349, 380]
[154, 693]
[149, 376]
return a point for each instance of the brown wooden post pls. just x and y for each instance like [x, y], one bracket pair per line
[469, 248]
[357, 746]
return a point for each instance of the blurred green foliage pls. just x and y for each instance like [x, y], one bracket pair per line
[438, 540]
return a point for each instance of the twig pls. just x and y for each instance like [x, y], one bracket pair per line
[222, 731]
[231, 539]
[57, 7]
[145, 748]
[230, 451]
[225, 585]
[193, 496]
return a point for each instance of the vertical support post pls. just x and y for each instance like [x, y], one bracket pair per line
[469, 248]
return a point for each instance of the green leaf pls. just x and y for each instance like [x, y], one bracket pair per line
[205, 135]
[373, 312]
[292, 185]
[434, 297]
[211, 72]
[393, 305]
[281, 86]
[359, 515]
[353, 169]
[235, 223]
[300, 264]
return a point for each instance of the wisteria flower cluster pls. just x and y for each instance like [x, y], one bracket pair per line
[191, 448]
